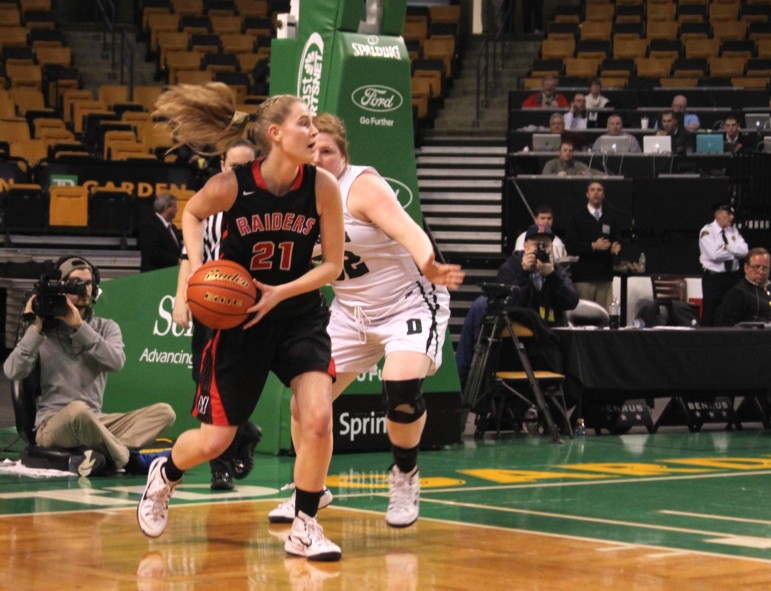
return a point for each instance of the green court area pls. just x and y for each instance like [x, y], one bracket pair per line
[707, 492]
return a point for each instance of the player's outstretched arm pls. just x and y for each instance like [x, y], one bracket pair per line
[371, 199]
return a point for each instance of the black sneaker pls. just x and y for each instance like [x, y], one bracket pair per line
[89, 462]
[221, 481]
[249, 436]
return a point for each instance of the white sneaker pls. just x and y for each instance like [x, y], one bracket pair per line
[307, 539]
[285, 512]
[153, 508]
[405, 497]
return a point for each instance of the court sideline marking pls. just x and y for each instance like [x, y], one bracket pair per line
[718, 537]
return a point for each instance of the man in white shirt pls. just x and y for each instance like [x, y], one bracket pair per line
[616, 130]
[721, 247]
[575, 118]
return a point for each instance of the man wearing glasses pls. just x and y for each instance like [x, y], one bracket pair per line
[749, 300]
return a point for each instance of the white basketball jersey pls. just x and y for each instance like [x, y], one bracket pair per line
[377, 270]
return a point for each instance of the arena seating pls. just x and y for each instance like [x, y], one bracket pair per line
[670, 29]
[54, 132]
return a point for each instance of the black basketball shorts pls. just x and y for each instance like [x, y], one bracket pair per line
[236, 363]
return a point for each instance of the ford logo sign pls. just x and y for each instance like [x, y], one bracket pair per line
[377, 98]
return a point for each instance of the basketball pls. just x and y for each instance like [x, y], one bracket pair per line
[219, 293]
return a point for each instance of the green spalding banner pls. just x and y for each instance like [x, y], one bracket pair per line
[365, 79]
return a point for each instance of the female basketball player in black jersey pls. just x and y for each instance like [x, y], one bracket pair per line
[275, 209]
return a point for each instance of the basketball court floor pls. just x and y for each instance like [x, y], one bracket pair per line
[666, 511]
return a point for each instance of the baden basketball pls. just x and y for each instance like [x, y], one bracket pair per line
[219, 293]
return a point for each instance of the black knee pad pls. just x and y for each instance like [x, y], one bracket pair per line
[399, 392]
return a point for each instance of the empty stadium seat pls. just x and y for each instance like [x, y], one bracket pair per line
[68, 208]
[26, 209]
[702, 48]
[110, 211]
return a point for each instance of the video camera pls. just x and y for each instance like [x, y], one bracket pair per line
[497, 295]
[51, 293]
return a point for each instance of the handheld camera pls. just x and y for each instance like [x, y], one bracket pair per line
[51, 294]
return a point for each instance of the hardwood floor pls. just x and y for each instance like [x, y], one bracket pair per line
[231, 547]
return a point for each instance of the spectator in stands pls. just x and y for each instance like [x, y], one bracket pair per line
[690, 120]
[556, 123]
[682, 139]
[544, 216]
[735, 141]
[160, 243]
[593, 235]
[547, 98]
[616, 130]
[750, 299]
[595, 100]
[557, 126]
[75, 350]
[720, 246]
[564, 165]
[575, 118]
[541, 286]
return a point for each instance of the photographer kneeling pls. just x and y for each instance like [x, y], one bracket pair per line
[538, 284]
[75, 350]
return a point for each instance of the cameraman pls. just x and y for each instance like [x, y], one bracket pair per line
[75, 350]
[542, 285]
[537, 284]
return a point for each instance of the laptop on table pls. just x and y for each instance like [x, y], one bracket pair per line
[657, 144]
[546, 142]
[612, 145]
[709, 143]
[756, 121]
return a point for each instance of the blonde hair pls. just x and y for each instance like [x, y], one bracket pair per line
[333, 125]
[206, 115]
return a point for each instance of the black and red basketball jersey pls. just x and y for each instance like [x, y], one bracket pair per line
[274, 236]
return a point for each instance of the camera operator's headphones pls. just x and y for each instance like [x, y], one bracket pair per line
[67, 265]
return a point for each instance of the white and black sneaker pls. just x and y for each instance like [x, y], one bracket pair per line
[87, 463]
[285, 512]
[405, 497]
[307, 539]
[153, 508]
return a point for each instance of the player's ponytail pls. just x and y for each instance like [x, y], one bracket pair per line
[203, 116]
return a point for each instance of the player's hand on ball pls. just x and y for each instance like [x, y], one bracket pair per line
[268, 296]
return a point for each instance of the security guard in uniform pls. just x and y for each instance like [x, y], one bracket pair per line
[721, 247]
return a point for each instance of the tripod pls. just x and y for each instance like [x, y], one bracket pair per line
[484, 385]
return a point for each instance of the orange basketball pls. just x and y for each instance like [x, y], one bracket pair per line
[219, 293]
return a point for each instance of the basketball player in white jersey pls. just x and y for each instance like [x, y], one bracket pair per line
[392, 300]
